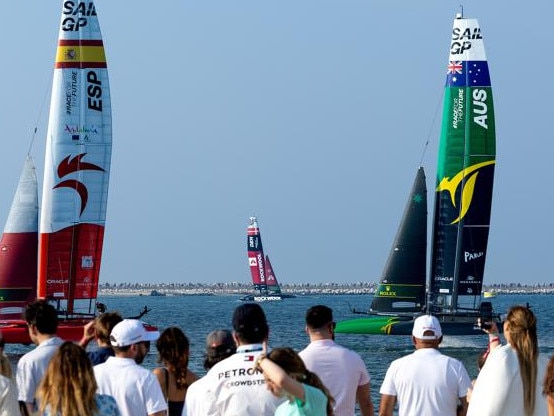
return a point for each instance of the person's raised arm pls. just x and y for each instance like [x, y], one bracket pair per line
[88, 334]
[279, 377]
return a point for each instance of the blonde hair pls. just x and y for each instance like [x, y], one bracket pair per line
[5, 366]
[522, 327]
[68, 387]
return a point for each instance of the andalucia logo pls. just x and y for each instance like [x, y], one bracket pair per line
[450, 185]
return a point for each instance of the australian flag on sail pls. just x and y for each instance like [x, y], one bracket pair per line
[468, 74]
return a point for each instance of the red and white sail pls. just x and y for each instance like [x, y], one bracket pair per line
[256, 256]
[77, 164]
[19, 246]
[271, 279]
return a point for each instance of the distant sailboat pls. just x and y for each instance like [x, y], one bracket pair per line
[75, 189]
[19, 247]
[263, 277]
[463, 197]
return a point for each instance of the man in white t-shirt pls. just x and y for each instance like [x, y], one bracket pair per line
[233, 386]
[425, 382]
[219, 346]
[135, 389]
[42, 322]
[341, 370]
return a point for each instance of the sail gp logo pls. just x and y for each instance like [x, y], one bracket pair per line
[470, 174]
[67, 167]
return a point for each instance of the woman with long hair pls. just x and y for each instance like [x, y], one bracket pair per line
[174, 377]
[509, 383]
[8, 390]
[69, 387]
[548, 386]
[286, 376]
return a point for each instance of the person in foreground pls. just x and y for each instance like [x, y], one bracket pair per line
[219, 345]
[42, 322]
[286, 376]
[69, 387]
[99, 329]
[8, 390]
[342, 370]
[135, 389]
[548, 386]
[174, 377]
[233, 386]
[494, 342]
[425, 382]
[509, 384]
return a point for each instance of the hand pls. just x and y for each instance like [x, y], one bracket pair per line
[488, 327]
[88, 334]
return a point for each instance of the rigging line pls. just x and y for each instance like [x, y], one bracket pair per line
[426, 142]
[40, 114]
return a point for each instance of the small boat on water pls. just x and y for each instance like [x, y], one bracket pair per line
[487, 294]
[263, 277]
[463, 197]
[59, 259]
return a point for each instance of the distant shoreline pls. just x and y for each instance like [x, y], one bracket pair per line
[224, 289]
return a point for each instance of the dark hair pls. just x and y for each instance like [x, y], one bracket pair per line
[219, 345]
[318, 316]
[290, 361]
[548, 382]
[173, 350]
[43, 315]
[250, 324]
[104, 325]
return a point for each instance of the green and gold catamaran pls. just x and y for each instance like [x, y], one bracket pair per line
[463, 196]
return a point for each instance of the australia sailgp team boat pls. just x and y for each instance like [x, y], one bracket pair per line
[463, 196]
[263, 278]
[60, 261]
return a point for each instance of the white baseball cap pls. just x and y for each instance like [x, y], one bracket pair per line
[426, 323]
[131, 331]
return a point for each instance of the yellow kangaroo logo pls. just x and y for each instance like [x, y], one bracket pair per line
[450, 185]
[386, 329]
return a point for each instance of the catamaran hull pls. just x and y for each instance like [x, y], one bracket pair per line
[268, 298]
[16, 331]
[402, 325]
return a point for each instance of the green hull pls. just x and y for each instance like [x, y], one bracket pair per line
[375, 325]
[452, 325]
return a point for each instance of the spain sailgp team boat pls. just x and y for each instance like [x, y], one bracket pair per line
[60, 261]
[463, 196]
[263, 277]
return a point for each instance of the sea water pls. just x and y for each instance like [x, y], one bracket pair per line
[199, 315]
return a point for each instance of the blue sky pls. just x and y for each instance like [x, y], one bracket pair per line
[311, 115]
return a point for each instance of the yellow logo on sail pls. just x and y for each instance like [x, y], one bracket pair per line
[451, 185]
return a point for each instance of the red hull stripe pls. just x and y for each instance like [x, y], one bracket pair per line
[63, 65]
[80, 42]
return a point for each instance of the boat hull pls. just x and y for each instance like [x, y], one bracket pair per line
[16, 331]
[402, 325]
[266, 298]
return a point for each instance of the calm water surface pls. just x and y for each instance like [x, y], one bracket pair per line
[198, 315]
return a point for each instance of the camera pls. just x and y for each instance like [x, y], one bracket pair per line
[485, 325]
